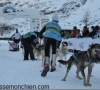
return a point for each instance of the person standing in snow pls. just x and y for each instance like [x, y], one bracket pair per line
[51, 34]
[16, 36]
[29, 41]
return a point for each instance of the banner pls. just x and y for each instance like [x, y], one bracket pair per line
[35, 24]
[10, 12]
[80, 44]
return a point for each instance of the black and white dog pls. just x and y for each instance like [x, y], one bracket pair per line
[62, 51]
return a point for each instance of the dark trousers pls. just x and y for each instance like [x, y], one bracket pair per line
[27, 49]
[16, 40]
[47, 43]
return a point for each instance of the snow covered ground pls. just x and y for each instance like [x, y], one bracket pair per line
[15, 71]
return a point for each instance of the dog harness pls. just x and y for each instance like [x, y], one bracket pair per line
[75, 57]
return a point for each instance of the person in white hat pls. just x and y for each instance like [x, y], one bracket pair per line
[51, 34]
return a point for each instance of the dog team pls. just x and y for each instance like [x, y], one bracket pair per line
[53, 47]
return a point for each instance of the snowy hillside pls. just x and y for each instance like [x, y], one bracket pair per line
[71, 12]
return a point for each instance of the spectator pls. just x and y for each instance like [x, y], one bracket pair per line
[85, 31]
[65, 34]
[78, 35]
[91, 34]
[74, 32]
[97, 34]
[51, 33]
[70, 32]
[62, 33]
[92, 27]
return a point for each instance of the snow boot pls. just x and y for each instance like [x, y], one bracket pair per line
[46, 68]
[52, 69]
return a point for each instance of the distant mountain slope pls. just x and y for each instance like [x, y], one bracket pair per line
[71, 12]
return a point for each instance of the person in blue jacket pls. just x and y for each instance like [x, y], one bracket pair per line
[29, 41]
[51, 34]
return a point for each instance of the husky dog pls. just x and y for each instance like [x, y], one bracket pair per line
[39, 51]
[82, 60]
[62, 51]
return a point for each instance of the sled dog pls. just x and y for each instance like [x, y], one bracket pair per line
[62, 51]
[82, 60]
[39, 51]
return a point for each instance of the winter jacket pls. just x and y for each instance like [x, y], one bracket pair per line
[78, 35]
[97, 34]
[74, 34]
[69, 35]
[51, 30]
[85, 33]
[31, 37]
[16, 36]
[91, 34]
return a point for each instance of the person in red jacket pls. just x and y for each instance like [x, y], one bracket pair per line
[74, 32]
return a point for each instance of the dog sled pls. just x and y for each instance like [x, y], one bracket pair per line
[13, 46]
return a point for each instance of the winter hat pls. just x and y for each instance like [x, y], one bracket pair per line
[55, 18]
